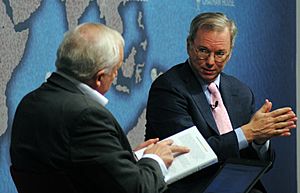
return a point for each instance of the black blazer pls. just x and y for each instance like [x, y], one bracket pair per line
[56, 128]
[176, 101]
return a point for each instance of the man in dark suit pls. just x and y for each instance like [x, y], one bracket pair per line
[63, 127]
[180, 98]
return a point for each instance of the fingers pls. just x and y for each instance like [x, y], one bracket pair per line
[283, 131]
[293, 126]
[293, 119]
[151, 141]
[283, 127]
[166, 150]
[179, 149]
[281, 111]
[267, 106]
[147, 143]
[283, 117]
[175, 148]
[167, 142]
[286, 121]
[266, 124]
[285, 134]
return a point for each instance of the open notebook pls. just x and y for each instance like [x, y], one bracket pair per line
[237, 176]
[200, 156]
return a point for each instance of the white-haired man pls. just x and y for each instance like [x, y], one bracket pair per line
[63, 129]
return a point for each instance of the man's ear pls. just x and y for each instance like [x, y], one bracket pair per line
[229, 56]
[188, 48]
[98, 78]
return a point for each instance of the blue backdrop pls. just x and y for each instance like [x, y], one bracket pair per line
[155, 32]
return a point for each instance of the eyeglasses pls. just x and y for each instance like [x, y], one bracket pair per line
[203, 53]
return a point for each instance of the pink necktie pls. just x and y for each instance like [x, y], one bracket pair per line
[219, 111]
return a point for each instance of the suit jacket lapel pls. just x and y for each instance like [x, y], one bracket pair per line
[195, 89]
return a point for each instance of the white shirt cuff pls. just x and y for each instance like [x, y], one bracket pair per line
[243, 143]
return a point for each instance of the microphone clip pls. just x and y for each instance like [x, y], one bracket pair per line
[213, 106]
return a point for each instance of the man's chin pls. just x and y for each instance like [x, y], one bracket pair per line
[209, 78]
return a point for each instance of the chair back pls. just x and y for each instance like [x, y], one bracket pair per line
[55, 182]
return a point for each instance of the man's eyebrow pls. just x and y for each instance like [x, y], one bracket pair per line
[220, 50]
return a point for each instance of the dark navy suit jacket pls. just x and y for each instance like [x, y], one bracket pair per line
[176, 102]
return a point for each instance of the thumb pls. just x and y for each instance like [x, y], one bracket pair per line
[267, 106]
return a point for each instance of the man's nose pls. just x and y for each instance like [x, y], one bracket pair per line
[211, 59]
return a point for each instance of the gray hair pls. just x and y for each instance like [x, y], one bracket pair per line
[212, 22]
[81, 55]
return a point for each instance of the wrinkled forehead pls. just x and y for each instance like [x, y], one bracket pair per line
[212, 35]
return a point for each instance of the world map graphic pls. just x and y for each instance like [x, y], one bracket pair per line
[26, 50]
[155, 34]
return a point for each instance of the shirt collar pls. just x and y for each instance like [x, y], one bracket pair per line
[86, 90]
[202, 82]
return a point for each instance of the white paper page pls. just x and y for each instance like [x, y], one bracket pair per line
[200, 156]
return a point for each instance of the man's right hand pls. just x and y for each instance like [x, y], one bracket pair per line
[166, 151]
